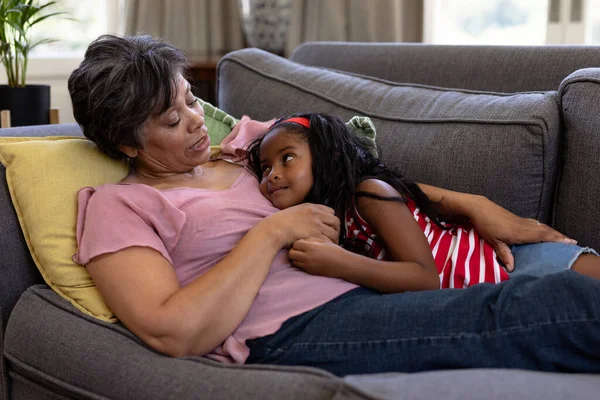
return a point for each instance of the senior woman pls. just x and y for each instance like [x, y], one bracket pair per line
[192, 258]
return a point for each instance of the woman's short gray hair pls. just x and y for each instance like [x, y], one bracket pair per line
[120, 84]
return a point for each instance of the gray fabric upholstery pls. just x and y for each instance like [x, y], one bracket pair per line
[43, 130]
[505, 141]
[494, 144]
[17, 269]
[51, 343]
[480, 384]
[578, 194]
[490, 68]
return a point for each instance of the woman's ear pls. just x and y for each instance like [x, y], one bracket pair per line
[131, 152]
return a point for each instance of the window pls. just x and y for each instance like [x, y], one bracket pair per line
[84, 21]
[52, 63]
[593, 31]
[512, 22]
[488, 22]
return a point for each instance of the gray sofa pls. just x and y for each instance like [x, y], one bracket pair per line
[521, 126]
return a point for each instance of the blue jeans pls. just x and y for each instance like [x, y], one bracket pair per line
[550, 323]
[539, 259]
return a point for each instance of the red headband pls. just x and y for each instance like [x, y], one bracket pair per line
[305, 122]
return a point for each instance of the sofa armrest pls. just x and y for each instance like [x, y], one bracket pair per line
[577, 206]
[17, 270]
[51, 343]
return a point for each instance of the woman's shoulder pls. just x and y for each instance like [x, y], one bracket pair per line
[116, 196]
[119, 188]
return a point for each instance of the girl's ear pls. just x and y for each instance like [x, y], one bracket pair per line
[129, 151]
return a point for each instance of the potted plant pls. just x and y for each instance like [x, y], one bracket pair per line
[28, 104]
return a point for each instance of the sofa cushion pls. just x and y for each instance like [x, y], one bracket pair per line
[43, 176]
[18, 269]
[218, 122]
[469, 384]
[504, 146]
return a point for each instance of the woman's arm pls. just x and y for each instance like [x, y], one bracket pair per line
[411, 266]
[142, 289]
[495, 224]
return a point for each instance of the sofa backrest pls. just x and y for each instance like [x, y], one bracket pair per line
[504, 146]
[489, 68]
[509, 69]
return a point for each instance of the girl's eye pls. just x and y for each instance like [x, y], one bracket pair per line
[288, 157]
[265, 169]
[173, 125]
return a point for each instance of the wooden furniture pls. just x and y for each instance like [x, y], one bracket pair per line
[203, 78]
[5, 117]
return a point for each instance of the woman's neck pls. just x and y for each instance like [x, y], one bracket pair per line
[157, 178]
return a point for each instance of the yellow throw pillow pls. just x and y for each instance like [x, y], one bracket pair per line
[43, 176]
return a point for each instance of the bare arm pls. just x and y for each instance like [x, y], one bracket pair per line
[495, 224]
[410, 265]
[142, 289]
[453, 203]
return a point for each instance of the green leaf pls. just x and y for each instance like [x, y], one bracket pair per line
[46, 16]
[16, 20]
[41, 41]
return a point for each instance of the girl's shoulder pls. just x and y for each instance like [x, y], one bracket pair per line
[378, 188]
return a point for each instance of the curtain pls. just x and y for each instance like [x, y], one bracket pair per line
[211, 28]
[355, 20]
[201, 28]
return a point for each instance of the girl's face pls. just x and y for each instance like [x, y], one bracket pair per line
[286, 165]
[177, 140]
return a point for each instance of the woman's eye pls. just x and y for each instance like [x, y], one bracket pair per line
[174, 124]
[193, 103]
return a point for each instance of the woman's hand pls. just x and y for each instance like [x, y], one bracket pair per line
[304, 221]
[501, 229]
[317, 256]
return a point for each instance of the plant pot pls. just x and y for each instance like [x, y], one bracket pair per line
[29, 105]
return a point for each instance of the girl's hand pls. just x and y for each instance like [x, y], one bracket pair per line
[317, 256]
[301, 222]
[501, 229]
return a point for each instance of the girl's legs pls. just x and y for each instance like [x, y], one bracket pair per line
[588, 264]
[539, 259]
[550, 323]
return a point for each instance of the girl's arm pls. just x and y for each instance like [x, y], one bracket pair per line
[413, 267]
[141, 287]
[495, 224]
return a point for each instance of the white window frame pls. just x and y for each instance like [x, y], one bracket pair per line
[564, 31]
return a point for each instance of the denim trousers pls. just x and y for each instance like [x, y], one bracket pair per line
[549, 323]
[544, 258]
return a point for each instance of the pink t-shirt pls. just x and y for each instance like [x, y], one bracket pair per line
[194, 229]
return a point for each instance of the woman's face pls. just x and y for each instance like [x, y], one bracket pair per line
[286, 165]
[177, 140]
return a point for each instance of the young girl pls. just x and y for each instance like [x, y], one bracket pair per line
[393, 238]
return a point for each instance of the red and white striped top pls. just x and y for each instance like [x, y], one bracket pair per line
[462, 257]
